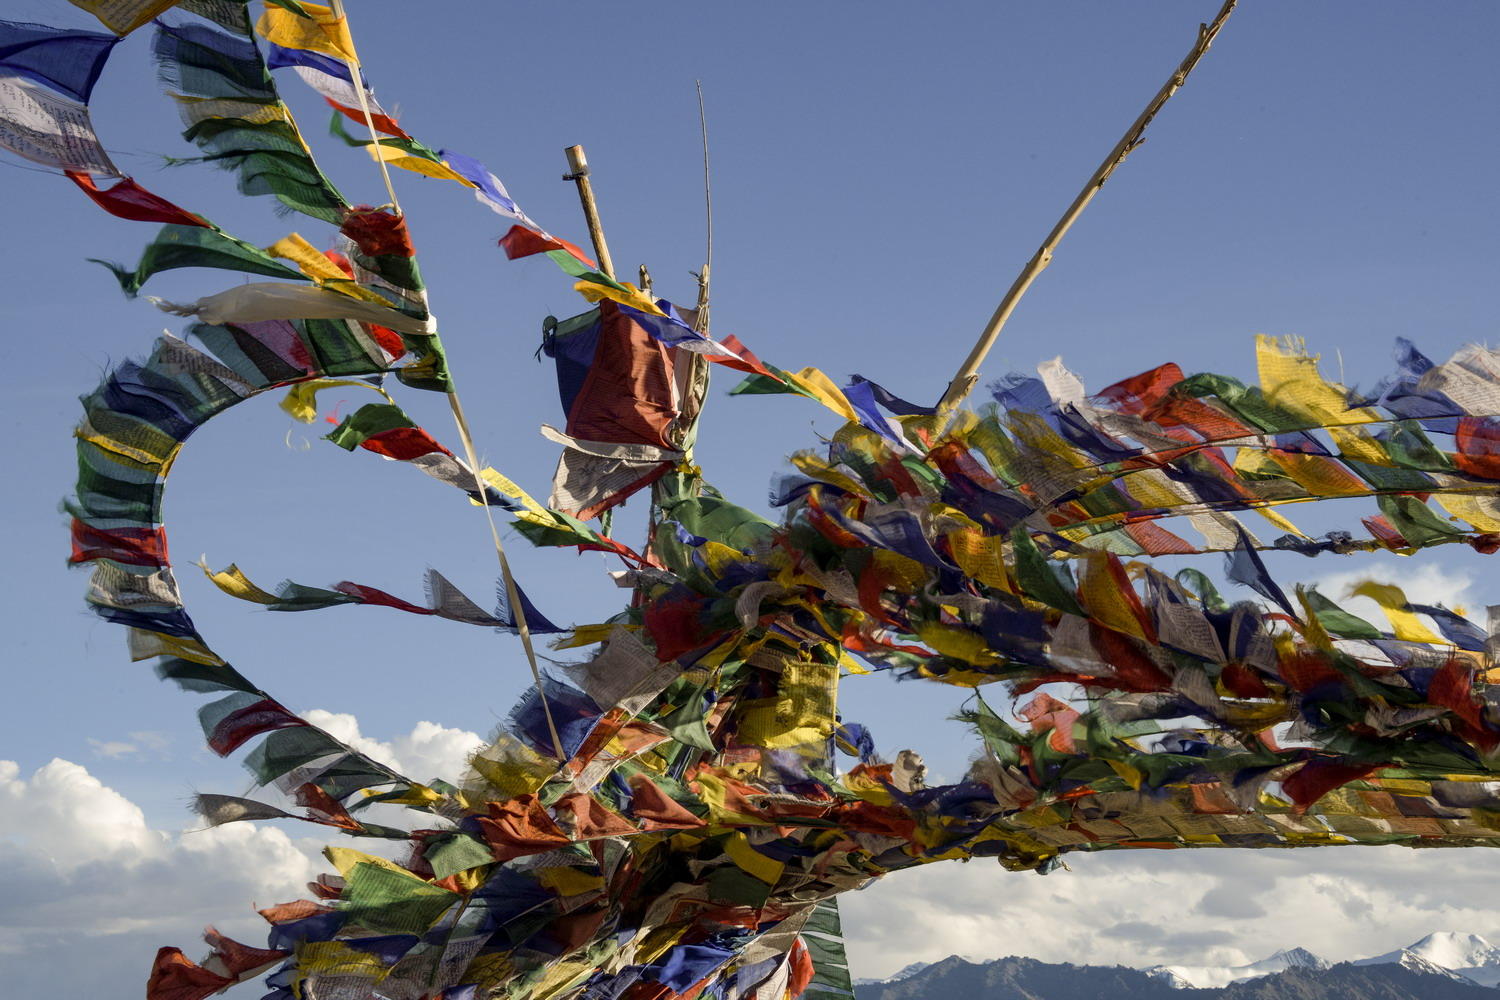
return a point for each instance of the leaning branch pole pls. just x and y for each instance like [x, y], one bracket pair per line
[968, 375]
[578, 173]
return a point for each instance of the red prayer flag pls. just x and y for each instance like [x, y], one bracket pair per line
[523, 241]
[384, 123]
[746, 362]
[249, 722]
[241, 958]
[370, 595]
[174, 976]
[1316, 779]
[403, 444]
[132, 546]
[657, 809]
[128, 200]
[377, 232]
[1478, 452]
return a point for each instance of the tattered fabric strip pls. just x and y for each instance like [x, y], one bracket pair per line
[445, 600]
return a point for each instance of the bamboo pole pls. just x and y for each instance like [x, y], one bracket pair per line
[968, 374]
[578, 167]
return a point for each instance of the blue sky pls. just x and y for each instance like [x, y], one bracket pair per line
[881, 171]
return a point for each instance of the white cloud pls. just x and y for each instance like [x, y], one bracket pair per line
[147, 743]
[89, 889]
[1149, 907]
[112, 749]
[428, 751]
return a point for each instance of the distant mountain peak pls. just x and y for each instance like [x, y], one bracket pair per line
[1300, 958]
[1466, 956]
[905, 973]
[1452, 948]
[1418, 964]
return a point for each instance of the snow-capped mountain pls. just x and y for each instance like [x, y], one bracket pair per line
[905, 973]
[1467, 955]
[1455, 956]
[1443, 966]
[1207, 976]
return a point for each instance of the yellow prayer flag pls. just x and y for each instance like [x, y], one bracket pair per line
[1289, 377]
[145, 644]
[1356, 443]
[1276, 518]
[335, 958]
[631, 296]
[958, 643]
[1392, 600]
[234, 583]
[1320, 476]
[307, 258]
[416, 164]
[316, 265]
[568, 881]
[124, 16]
[1481, 512]
[1101, 595]
[510, 489]
[323, 32]
[748, 859]
[345, 858]
[301, 400]
[821, 387]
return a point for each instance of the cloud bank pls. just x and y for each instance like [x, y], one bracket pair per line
[90, 886]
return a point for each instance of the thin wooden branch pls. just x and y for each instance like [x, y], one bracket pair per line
[705, 276]
[968, 374]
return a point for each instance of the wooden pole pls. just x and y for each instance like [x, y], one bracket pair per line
[578, 166]
[968, 374]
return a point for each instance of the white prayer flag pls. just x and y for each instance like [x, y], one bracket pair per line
[45, 127]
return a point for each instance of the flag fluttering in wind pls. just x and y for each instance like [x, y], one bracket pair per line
[46, 77]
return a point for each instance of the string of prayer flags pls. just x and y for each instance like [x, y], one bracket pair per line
[316, 45]
[445, 600]
[386, 430]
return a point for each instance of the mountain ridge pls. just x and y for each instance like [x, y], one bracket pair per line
[1423, 970]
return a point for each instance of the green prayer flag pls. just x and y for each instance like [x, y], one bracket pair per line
[389, 902]
[194, 246]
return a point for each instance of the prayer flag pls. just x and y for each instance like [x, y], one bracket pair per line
[124, 16]
[45, 127]
[128, 200]
[331, 77]
[66, 60]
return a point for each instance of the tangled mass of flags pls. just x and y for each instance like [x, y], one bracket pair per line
[674, 815]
